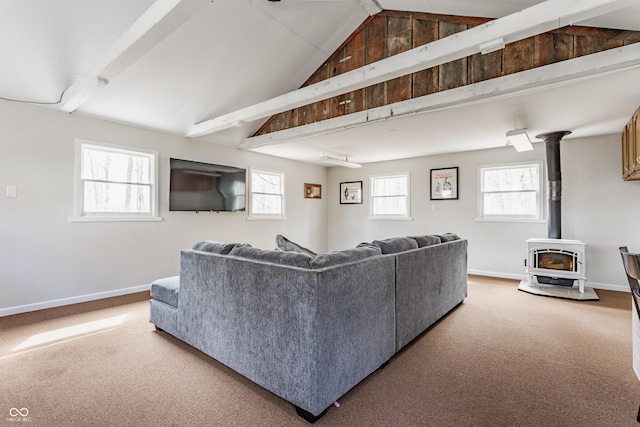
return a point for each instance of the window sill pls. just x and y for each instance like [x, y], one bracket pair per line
[531, 220]
[266, 218]
[392, 218]
[115, 219]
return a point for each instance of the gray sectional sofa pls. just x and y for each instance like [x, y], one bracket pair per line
[309, 327]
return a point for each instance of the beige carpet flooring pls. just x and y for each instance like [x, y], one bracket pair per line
[502, 358]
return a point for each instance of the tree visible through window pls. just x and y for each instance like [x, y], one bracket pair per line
[267, 193]
[115, 181]
[390, 196]
[510, 191]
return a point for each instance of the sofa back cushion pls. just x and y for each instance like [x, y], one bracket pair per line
[396, 244]
[448, 237]
[427, 240]
[363, 250]
[293, 259]
[214, 247]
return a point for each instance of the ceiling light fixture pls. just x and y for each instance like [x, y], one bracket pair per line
[339, 162]
[519, 139]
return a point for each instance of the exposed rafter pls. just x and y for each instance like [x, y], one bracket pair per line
[160, 20]
[525, 82]
[537, 19]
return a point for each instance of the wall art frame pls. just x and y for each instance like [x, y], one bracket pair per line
[351, 192]
[444, 184]
[312, 191]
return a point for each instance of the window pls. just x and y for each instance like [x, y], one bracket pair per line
[390, 197]
[114, 183]
[511, 192]
[267, 195]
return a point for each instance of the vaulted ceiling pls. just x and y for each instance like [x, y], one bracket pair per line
[217, 70]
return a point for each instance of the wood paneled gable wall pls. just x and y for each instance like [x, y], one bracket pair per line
[391, 32]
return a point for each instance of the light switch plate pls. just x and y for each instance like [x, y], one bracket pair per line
[12, 191]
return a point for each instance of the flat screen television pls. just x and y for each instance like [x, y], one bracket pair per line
[197, 186]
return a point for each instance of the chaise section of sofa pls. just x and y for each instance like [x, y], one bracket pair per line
[164, 304]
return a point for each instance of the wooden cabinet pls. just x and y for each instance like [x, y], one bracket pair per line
[631, 148]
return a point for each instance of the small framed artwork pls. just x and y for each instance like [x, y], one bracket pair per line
[350, 192]
[444, 184]
[312, 191]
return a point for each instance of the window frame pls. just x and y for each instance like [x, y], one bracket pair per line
[540, 194]
[402, 217]
[79, 214]
[262, 216]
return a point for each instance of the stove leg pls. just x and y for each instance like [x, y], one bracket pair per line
[581, 285]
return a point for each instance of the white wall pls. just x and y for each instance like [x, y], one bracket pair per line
[45, 260]
[598, 207]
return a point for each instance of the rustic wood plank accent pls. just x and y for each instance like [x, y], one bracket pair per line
[391, 32]
[585, 45]
[310, 113]
[519, 56]
[337, 67]
[452, 74]
[552, 47]
[355, 58]
[375, 50]
[426, 81]
[399, 39]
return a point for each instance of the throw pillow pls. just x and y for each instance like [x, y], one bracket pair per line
[294, 259]
[448, 237]
[287, 245]
[348, 255]
[214, 247]
[427, 240]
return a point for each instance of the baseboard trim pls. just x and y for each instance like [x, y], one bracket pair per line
[72, 300]
[604, 286]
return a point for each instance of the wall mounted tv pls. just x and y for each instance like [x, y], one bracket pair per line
[196, 186]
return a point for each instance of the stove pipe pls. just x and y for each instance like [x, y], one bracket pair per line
[554, 178]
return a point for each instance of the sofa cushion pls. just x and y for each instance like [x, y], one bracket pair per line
[427, 240]
[166, 290]
[294, 259]
[214, 247]
[448, 237]
[287, 245]
[348, 255]
[396, 244]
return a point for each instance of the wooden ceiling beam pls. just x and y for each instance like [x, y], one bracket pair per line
[522, 83]
[160, 20]
[540, 18]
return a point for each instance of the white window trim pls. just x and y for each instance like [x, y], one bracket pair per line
[256, 217]
[406, 217]
[78, 215]
[541, 207]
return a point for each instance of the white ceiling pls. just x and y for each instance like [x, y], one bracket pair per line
[231, 54]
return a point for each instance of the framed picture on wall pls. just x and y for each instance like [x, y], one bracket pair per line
[444, 184]
[350, 192]
[312, 191]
